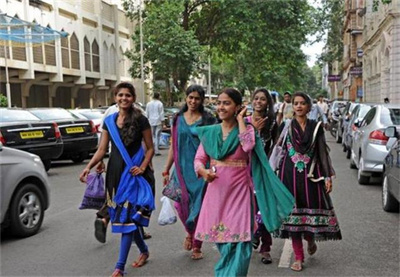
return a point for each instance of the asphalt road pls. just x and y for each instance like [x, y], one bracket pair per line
[65, 246]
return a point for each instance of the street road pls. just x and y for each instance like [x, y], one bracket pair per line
[65, 246]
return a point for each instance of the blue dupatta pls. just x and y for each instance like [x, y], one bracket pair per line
[133, 202]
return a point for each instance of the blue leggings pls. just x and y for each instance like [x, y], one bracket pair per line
[126, 243]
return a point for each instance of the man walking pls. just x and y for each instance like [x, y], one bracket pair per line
[322, 104]
[155, 114]
[286, 110]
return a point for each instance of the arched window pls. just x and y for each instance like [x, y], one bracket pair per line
[50, 51]
[86, 47]
[74, 44]
[37, 52]
[65, 52]
[113, 59]
[18, 50]
[122, 70]
[95, 56]
[105, 59]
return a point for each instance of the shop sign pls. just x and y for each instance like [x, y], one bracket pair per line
[356, 70]
[334, 78]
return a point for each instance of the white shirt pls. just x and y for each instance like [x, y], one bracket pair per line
[323, 106]
[155, 112]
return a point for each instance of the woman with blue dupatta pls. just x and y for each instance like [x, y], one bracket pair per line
[184, 146]
[232, 160]
[130, 199]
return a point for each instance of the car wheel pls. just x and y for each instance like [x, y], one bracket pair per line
[47, 164]
[26, 211]
[362, 179]
[389, 203]
[79, 157]
[348, 154]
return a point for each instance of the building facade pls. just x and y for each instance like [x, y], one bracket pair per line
[77, 71]
[352, 65]
[381, 47]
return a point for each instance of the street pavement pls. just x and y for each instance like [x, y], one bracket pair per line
[65, 246]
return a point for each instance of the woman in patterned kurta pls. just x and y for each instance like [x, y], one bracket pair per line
[227, 213]
[306, 170]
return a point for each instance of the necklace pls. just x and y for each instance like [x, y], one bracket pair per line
[192, 118]
[225, 133]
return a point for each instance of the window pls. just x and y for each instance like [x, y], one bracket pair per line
[74, 44]
[86, 47]
[105, 60]
[369, 117]
[65, 52]
[113, 59]
[390, 116]
[95, 56]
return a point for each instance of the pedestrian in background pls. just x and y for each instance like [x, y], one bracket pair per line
[286, 110]
[317, 114]
[323, 105]
[227, 213]
[263, 120]
[130, 198]
[184, 144]
[155, 114]
[306, 171]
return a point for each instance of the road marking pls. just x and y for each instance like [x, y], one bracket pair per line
[286, 255]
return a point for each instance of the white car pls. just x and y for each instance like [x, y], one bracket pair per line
[25, 192]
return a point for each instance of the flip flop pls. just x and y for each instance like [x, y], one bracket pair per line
[187, 243]
[266, 258]
[311, 249]
[196, 254]
[100, 230]
[297, 266]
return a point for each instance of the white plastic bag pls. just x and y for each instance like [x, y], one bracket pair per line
[167, 213]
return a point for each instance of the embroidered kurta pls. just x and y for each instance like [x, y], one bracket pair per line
[226, 214]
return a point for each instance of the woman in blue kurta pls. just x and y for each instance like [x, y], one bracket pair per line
[184, 146]
[130, 198]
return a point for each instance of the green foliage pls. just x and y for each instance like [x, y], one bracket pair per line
[3, 101]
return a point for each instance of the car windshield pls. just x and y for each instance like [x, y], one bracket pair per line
[53, 114]
[16, 115]
[363, 111]
[390, 116]
[92, 114]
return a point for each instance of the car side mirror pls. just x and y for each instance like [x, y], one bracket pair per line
[390, 143]
[357, 122]
[390, 132]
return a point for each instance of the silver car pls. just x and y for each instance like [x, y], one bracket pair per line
[391, 175]
[25, 192]
[368, 149]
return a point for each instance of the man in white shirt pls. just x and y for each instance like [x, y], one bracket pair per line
[286, 109]
[324, 106]
[155, 114]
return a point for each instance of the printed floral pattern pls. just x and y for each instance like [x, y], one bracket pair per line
[300, 160]
[221, 233]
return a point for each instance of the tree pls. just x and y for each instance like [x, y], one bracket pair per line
[3, 101]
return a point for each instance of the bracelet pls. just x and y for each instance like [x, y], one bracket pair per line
[328, 179]
[165, 173]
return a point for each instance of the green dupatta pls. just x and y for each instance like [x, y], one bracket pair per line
[274, 200]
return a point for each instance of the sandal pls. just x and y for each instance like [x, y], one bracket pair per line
[311, 249]
[146, 236]
[100, 229]
[297, 266]
[187, 243]
[196, 254]
[141, 261]
[266, 258]
[117, 273]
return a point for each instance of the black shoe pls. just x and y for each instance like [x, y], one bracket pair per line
[100, 230]
[255, 242]
[266, 258]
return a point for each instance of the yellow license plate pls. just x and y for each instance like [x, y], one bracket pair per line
[32, 134]
[74, 130]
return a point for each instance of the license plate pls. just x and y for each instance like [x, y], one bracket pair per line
[74, 130]
[32, 134]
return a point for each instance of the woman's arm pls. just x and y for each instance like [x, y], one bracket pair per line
[200, 162]
[97, 157]
[148, 141]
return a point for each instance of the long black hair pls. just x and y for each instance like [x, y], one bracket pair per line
[207, 118]
[131, 122]
[234, 94]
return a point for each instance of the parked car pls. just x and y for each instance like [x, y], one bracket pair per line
[369, 141]
[358, 113]
[391, 171]
[25, 192]
[95, 115]
[343, 121]
[79, 135]
[22, 130]
[334, 114]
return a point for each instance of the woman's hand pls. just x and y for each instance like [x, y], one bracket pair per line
[101, 167]
[135, 170]
[84, 174]
[259, 123]
[328, 185]
[241, 114]
[208, 175]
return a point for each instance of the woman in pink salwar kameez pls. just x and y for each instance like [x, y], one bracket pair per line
[229, 159]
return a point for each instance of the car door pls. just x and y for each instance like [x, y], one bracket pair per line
[360, 133]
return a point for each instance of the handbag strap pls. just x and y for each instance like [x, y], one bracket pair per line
[284, 133]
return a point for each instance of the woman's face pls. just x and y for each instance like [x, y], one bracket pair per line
[300, 106]
[193, 101]
[124, 98]
[226, 107]
[260, 102]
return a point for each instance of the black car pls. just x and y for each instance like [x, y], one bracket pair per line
[22, 130]
[79, 135]
[391, 171]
